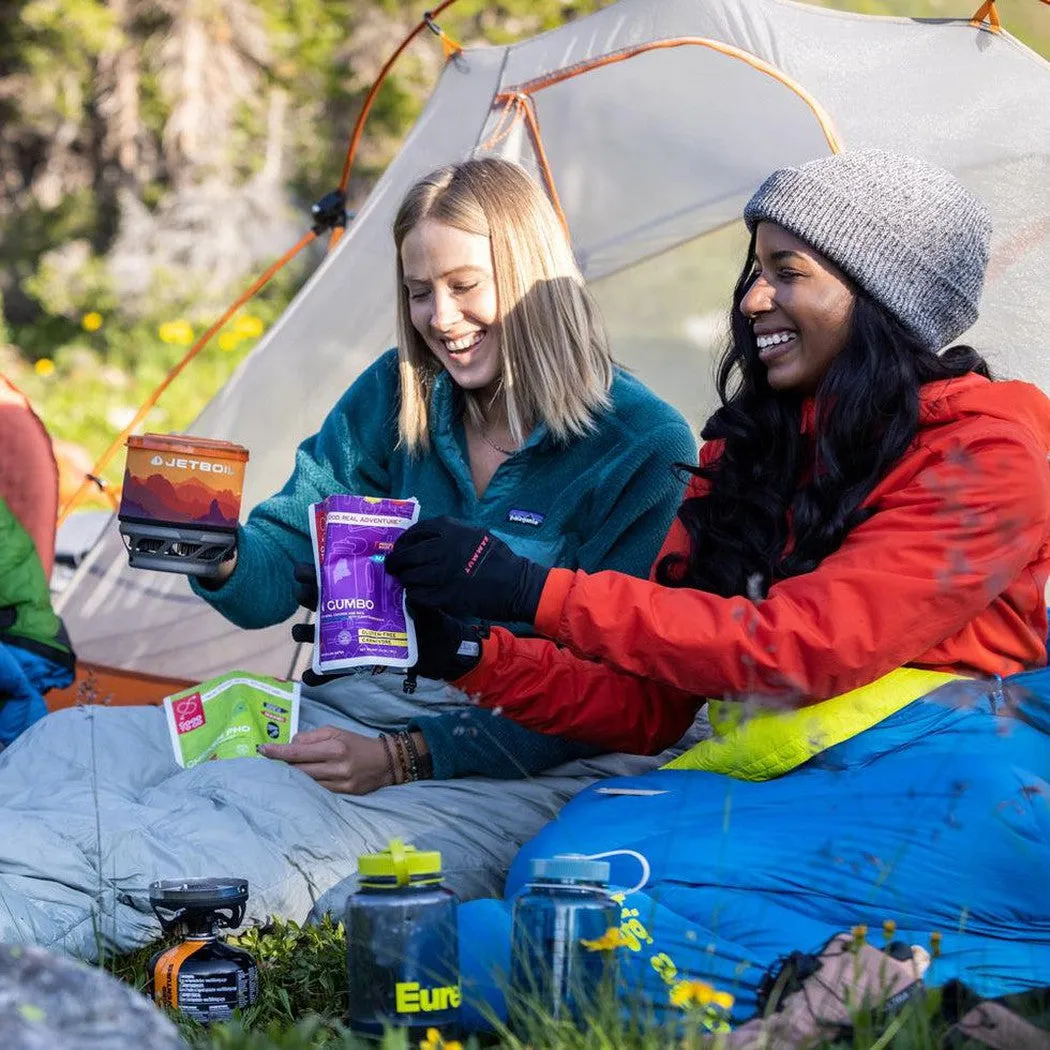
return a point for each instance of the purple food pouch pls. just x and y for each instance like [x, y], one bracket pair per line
[362, 620]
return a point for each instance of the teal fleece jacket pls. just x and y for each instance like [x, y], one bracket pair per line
[604, 501]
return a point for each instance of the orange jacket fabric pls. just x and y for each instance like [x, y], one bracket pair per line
[949, 573]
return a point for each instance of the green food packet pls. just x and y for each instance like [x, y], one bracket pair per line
[229, 716]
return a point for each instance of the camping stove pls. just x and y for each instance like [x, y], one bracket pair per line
[180, 502]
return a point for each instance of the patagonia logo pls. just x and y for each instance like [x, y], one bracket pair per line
[527, 517]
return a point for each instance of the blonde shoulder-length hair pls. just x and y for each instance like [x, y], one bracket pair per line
[556, 367]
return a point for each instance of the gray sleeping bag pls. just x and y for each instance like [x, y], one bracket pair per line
[93, 807]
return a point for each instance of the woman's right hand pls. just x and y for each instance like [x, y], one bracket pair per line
[223, 571]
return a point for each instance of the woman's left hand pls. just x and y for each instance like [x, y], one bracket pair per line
[466, 571]
[344, 762]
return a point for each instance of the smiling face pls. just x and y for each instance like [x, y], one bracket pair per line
[800, 306]
[452, 302]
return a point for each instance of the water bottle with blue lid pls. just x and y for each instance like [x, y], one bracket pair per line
[402, 945]
[564, 925]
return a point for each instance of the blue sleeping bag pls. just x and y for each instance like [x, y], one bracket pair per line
[936, 820]
[24, 677]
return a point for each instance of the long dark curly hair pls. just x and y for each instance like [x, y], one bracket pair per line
[867, 411]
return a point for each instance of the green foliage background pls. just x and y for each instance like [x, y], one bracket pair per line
[116, 115]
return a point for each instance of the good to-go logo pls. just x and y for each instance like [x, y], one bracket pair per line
[192, 464]
[189, 713]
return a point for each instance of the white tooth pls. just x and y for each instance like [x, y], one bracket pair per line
[764, 341]
[464, 343]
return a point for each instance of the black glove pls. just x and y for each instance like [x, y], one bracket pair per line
[447, 648]
[467, 571]
[306, 584]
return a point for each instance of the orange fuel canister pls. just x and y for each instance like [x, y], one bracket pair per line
[181, 502]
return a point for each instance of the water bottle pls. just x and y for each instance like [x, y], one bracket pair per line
[560, 939]
[402, 951]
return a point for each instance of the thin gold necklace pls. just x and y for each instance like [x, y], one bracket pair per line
[492, 444]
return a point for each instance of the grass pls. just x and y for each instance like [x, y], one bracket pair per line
[303, 990]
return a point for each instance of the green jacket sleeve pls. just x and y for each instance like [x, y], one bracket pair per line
[350, 453]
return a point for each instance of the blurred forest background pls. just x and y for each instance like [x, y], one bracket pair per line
[156, 155]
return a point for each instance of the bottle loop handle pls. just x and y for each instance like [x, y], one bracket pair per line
[646, 870]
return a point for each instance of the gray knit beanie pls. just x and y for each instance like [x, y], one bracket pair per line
[909, 234]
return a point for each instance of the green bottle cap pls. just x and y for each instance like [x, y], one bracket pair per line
[404, 864]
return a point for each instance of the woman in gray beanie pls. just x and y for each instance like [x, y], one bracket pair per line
[860, 562]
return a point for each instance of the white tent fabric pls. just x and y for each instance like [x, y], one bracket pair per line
[653, 158]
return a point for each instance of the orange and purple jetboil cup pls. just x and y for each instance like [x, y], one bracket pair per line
[181, 502]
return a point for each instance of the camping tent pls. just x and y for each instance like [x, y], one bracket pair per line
[653, 121]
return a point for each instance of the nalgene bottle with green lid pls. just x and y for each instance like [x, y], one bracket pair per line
[402, 944]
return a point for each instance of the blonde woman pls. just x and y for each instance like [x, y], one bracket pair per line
[502, 407]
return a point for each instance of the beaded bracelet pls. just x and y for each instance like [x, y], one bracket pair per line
[402, 758]
[413, 756]
[389, 758]
[424, 763]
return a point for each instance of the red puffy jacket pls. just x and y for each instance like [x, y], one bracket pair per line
[949, 574]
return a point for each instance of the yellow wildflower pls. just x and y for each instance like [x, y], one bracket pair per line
[612, 938]
[248, 326]
[434, 1041]
[44, 367]
[229, 341]
[860, 935]
[935, 944]
[178, 333]
[724, 1000]
[91, 322]
[889, 928]
[689, 994]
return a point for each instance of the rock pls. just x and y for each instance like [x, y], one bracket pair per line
[51, 1002]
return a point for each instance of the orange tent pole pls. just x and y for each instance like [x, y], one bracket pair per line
[198, 346]
[426, 22]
